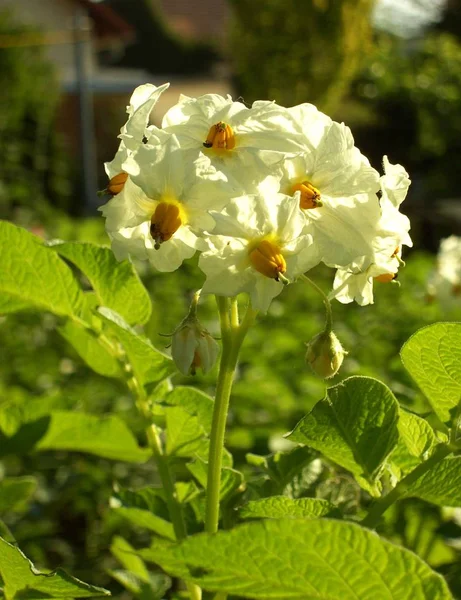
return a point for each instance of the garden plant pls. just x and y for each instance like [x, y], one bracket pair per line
[266, 196]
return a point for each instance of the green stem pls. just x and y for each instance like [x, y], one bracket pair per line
[381, 505]
[232, 339]
[326, 302]
[174, 506]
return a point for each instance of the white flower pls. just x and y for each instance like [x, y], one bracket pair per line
[133, 132]
[235, 137]
[355, 281]
[337, 185]
[161, 213]
[445, 282]
[257, 244]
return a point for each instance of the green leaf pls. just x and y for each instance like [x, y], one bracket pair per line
[231, 479]
[149, 364]
[300, 559]
[416, 433]
[154, 589]
[289, 472]
[140, 508]
[185, 436]
[116, 284]
[33, 275]
[194, 402]
[22, 580]
[16, 492]
[147, 520]
[126, 555]
[107, 436]
[89, 348]
[355, 426]
[432, 356]
[280, 507]
[440, 485]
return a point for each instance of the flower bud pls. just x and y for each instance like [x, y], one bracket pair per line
[192, 347]
[325, 354]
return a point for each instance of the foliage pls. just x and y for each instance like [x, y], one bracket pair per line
[34, 168]
[279, 49]
[414, 90]
[67, 436]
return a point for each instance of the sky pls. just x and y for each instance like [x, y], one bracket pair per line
[407, 18]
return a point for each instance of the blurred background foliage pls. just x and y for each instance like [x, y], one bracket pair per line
[299, 51]
[398, 93]
[35, 170]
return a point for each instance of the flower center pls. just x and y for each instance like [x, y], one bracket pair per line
[386, 277]
[268, 260]
[310, 195]
[116, 184]
[164, 223]
[220, 137]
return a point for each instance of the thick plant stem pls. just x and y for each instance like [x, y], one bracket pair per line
[381, 505]
[232, 336]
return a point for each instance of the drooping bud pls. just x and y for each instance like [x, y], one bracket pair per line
[310, 195]
[268, 260]
[164, 223]
[192, 347]
[117, 183]
[220, 137]
[325, 354]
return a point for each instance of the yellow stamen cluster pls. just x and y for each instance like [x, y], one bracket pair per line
[310, 195]
[220, 137]
[268, 260]
[164, 223]
[386, 277]
[117, 183]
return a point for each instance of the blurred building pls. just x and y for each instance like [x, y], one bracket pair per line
[87, 42]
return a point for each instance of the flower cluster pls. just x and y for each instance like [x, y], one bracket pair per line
[445, 282]
[263, 193]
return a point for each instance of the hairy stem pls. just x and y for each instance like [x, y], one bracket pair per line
[153, 438]
[232, 336]
[381, 505]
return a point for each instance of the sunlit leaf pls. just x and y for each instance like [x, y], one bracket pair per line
[90, 349]
[107, 436]
[282, 507]
[33, 275]
[22, 580]
[300, 559]
[117, 285]
[432, 356]
[441, 484]
[355, 425]
[149, 364]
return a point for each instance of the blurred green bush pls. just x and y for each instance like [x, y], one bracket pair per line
[295, 52]
[34, 172]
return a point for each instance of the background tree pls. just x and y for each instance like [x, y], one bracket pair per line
[299, 51]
